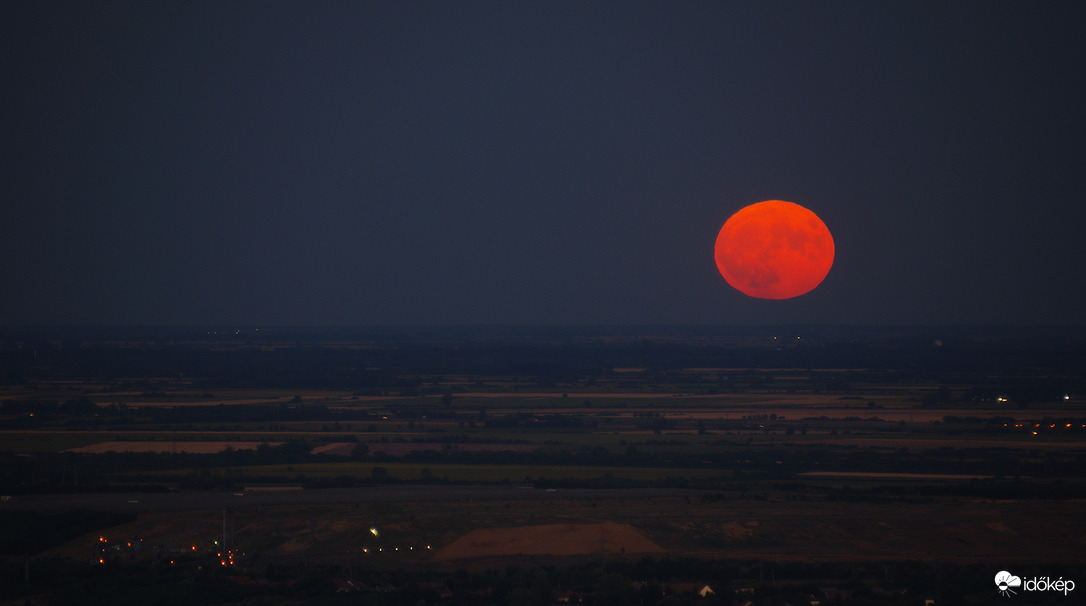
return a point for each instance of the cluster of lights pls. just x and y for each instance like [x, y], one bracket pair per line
[393, 549]
[376, 533]
[1065, 397]
[1038, 427]
[228, 559]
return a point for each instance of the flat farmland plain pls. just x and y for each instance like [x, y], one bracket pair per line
[335, 526]
[438, 458]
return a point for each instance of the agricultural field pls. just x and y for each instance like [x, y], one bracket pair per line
[454, 455]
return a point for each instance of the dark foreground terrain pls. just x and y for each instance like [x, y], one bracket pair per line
[513, 466]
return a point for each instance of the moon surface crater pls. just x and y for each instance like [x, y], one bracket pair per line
[774, 250]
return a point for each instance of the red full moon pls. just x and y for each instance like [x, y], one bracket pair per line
[774, 250]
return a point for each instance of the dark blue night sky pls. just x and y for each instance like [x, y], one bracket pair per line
[386, 163]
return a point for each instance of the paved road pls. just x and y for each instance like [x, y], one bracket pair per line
[181, 501]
